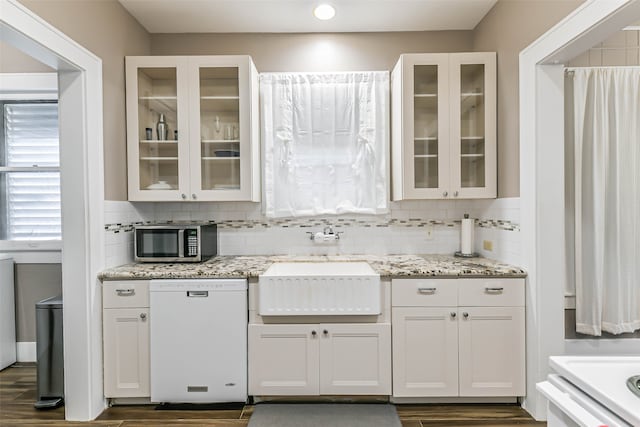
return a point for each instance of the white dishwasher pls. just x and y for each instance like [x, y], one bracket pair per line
[198, 340]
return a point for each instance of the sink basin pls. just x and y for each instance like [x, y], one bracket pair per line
[319, 289]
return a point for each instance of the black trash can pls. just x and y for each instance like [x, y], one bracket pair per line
[50, 362]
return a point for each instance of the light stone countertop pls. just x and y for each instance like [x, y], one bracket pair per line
[391, 266]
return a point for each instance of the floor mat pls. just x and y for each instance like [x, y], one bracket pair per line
[324, 415]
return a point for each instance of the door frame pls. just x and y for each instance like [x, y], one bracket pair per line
[82, 182]
[542, 168]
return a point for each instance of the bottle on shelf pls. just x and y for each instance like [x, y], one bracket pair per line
[162, 129]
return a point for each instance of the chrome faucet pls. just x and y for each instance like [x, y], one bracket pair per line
[327, 235]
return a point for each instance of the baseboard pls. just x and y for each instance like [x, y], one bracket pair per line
[26, 351]
[440, 400]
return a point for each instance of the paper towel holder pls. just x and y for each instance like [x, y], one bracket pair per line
[460, 253]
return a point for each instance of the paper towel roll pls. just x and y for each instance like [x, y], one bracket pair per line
[466, 235]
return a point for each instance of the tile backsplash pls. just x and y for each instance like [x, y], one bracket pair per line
[411, 227]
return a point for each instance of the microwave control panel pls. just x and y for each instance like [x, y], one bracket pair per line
[192, 242]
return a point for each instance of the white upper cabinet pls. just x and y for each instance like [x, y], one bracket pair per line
[192, 128]
[444, 126]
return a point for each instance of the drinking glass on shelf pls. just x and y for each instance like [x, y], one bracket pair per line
[228, 132]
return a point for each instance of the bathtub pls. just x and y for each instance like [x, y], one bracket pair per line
[591, 391]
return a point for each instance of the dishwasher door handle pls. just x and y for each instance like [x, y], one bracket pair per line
[201, 294]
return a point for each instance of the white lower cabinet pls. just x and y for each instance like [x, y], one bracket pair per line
[442, 348]
[425, 351]
[315, 359]
[283, 360]
[125, 320]
[491, 351]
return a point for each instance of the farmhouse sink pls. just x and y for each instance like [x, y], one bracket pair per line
[319, 289]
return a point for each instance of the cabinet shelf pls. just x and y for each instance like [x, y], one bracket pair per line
[472, 138]
[467, 94]
[218, 98]
[157, 141]
[426, 156]
[221, 158]
[471, 155]
[220, 141]
[428, 138]
[158, 159]
[426, 95]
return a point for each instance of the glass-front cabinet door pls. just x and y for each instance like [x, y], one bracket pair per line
[473, 130]
[157, 128]
[422, 96]
[225, 138]
[444, 126]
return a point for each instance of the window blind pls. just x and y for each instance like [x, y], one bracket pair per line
[32, 171]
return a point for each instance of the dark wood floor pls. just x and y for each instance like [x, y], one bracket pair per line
[18, 392]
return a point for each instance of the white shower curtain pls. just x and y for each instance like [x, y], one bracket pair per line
[607, 176]
[325, 138]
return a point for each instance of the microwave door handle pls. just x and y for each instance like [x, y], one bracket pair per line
[180, 243]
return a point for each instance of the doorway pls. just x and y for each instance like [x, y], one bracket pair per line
[82, 196]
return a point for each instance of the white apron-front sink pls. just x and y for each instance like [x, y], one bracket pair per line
[319, 289]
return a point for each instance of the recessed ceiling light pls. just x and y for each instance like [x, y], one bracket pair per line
[324, 12]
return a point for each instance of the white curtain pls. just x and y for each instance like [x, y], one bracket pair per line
[607, 168]
[325, 140]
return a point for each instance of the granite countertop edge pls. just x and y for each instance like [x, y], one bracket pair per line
[389, 266]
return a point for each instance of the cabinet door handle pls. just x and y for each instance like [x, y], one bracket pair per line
[445, 194]
[125, 292]
[465, 315]
[493, 290]
[313, 333]
[143, 316]
[427, 290]
[325, 332]
[453, 314]
[455, 194]
[194, 196]
[184, 196]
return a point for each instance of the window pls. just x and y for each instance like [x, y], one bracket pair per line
[325, 137]
[29, 171]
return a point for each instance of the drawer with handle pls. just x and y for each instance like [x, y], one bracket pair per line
[489, 292]
[125, 294]
[424, 292]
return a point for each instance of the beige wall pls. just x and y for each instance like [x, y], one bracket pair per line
[106, 29]
[509, 27]
[315, 52]
[33, 283]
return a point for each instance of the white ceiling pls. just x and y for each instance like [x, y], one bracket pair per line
[282, 16]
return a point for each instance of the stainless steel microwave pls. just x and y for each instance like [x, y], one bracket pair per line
[175, 242]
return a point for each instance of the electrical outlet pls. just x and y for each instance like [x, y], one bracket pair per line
[487, 245]
[429, 230]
